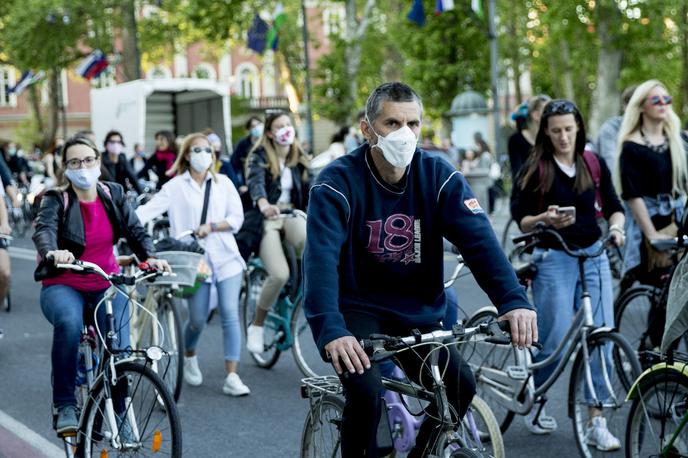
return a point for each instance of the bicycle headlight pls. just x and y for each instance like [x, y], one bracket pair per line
[154, 353]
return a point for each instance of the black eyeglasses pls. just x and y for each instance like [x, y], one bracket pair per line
[198, 149]
[89, 162]
[557, 107]
[660, 100]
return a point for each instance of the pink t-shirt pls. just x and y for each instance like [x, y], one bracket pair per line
[98, 232]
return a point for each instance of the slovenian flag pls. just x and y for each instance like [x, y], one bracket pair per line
[278, 19]
[443, 5]
[93, 65]
[26, 80]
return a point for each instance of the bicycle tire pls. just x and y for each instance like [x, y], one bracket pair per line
[507, 244]
[323, 421]
[170, 318]
[626, 370]
[649, 407]
[254, 279]
[631, 310]
[149, 404]
[491, 442]
[305, 351]
[482, 354]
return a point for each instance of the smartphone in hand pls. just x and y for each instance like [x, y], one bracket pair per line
[568, 211]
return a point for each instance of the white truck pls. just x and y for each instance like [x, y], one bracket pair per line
[138, 109]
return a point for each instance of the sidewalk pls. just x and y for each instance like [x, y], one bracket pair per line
[18, 441]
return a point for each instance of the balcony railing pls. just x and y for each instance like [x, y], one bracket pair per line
[262, 103]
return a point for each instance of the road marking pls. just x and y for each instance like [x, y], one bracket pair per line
[22, 253]
[30, 436]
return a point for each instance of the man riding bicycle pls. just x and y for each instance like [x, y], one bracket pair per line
[374, 262]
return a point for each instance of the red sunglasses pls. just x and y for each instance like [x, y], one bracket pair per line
[660, 100]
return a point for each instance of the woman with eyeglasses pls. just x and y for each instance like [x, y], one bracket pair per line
[560, 174]
[277, 179]
[114, 163]
[183, 198]
[82, 220]
[651, 164]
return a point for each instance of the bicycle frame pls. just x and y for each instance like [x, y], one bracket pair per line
[577, 334]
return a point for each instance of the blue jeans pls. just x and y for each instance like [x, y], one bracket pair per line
[228, 303]
[64, 306]
[557, 297]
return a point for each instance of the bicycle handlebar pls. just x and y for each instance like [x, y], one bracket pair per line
[535, 236]
[145, 272]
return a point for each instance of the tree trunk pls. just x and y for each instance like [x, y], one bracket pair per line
[683, 99]
[131, 57]
[606, 98]
[53, 104]
[35, 104]
[567, 74]
[355, 31]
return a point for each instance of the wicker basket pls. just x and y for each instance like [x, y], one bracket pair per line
[184, 265]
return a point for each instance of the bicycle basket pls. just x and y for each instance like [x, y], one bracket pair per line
[185, 265]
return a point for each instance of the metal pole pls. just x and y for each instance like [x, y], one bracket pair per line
[493, 76]
[306, 58]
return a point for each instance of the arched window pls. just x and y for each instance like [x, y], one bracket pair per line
[204, 71]
[247, 81]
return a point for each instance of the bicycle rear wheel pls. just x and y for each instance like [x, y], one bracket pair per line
[481, 355]
[255, 278]
[305, 350]
[615, 367]
[656, 415]
[321, 431]
[146, 421]
[632, 315]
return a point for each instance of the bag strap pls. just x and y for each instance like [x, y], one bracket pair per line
[206, 200]
[593, 164]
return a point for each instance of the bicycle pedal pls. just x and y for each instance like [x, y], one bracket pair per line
[517, 372]
[547, 422]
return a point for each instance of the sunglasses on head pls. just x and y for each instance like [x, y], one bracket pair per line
[198, 149]
[660, 100]
[557, 107]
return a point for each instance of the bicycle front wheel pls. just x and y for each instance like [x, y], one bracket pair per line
[655, 422]
[613, 366]
[479, 432]
[136, 415]
[321, 431]
[305, 351]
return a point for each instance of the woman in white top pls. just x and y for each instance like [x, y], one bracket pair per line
[182, 198]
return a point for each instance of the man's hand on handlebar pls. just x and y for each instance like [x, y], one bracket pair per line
[523, 323]
[347, 350]
[60, 256]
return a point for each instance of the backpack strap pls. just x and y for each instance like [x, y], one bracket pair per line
[65, 200]
[593, 164]
[105, 188]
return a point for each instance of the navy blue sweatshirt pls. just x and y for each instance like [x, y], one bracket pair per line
[378, 248]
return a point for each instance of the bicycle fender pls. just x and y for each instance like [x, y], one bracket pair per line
[602, 330]
[659, 368]
[487, 308]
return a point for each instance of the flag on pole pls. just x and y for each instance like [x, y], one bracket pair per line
[257, 35]
[443, 5]
[278, 20]
[477, 7]
[417, 13]
[93, 65]
[26, 80]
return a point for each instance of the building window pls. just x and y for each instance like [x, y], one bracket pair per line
[204, 71]
[8, 78]
[247, 81]
[333, 20]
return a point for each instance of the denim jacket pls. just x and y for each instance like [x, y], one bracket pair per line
[664, 205]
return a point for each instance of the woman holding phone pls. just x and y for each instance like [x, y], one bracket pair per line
[556, 186]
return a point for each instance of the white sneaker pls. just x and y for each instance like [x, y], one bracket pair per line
[192, 373]
[599, 436]
[254, 339]
[544, 425]
[234, 386]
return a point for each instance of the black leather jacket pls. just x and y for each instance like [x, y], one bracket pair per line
[58, 228]
[261, 183]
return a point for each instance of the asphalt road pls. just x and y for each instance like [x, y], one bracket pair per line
[265, 424]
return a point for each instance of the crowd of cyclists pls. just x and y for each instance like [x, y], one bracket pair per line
[373, 242]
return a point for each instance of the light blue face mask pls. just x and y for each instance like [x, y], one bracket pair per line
[256, 131]
[83, 178]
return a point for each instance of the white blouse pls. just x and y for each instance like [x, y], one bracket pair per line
[182, 199]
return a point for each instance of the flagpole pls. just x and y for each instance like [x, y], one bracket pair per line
[493, 76]
[307, 64]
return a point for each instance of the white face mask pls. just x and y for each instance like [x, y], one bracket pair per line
[83, 178]
[397, 147]
[285, 136]
[200, 162]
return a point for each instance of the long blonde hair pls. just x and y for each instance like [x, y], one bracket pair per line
[632, 122]
[182, 164]
[294, 156]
